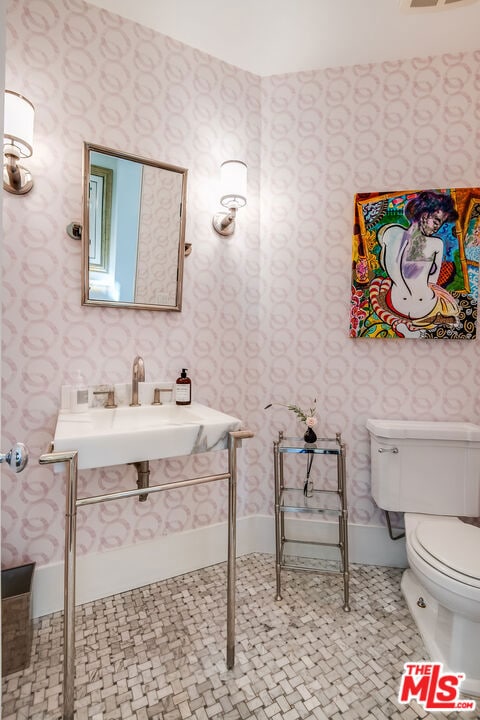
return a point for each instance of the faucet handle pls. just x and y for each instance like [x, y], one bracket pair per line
[110, 402]
[157, 397]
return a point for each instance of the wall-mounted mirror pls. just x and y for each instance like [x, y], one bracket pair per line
[133, 235]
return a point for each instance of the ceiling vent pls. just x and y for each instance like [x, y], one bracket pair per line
[433, 4]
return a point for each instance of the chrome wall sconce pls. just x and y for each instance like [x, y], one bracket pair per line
[233, 195]
[17, 142]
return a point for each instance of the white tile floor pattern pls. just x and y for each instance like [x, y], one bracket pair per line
[158, 652]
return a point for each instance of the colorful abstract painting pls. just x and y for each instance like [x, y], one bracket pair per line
[415, 264]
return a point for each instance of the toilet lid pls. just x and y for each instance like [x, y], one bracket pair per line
[452, 543]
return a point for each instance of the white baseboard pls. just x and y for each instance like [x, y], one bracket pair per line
[115, 571]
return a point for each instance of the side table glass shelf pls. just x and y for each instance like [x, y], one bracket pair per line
[329, 504]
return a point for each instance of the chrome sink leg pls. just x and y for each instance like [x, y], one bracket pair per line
[69, 590]
[69, 575]
[231, 553]
[234, 442]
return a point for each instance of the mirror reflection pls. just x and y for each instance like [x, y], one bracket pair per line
[133, 231]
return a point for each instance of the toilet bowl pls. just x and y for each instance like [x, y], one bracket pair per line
[442, 590]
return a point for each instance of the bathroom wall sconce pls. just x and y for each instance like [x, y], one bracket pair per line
[17, 142]
[233, 195]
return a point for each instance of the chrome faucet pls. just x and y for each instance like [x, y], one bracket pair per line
[138, 375]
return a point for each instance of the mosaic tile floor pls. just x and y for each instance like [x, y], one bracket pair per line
[158, 652]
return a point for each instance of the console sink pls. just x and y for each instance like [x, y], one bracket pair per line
[122, 435]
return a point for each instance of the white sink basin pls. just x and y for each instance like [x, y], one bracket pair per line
[122, 435]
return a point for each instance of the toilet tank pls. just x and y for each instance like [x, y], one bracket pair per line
[426, 467]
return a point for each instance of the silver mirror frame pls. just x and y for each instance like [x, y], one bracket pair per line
[183, 248]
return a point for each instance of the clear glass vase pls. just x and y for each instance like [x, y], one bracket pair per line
[308, 488]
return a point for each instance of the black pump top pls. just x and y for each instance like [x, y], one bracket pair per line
[184, 373]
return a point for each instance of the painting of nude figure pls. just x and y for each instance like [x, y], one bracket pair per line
[415, 262]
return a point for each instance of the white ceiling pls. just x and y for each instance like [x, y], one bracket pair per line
[270, 37]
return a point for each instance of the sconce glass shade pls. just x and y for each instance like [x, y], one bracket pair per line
[18, 123]
[233, 184]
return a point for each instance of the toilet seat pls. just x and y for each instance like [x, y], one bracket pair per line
[451, 547]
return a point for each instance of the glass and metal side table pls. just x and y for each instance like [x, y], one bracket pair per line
[330, 504]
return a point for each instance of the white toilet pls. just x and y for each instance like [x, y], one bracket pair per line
[431, 472]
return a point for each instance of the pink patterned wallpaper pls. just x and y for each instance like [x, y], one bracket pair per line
[325, 136]
[265, 313]
[94, 76]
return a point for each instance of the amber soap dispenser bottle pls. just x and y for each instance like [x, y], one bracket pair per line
[183, 389]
